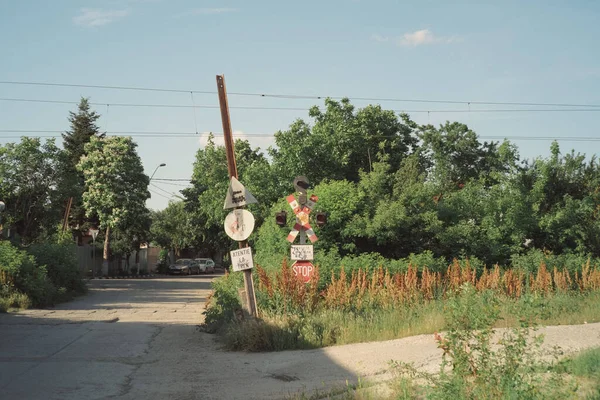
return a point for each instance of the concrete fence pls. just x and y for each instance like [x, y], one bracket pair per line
[90, 264]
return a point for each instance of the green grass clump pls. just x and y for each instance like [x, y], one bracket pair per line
[585, 367]
[326, 327]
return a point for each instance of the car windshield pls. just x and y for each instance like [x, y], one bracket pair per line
[182, 262]
[202, 261]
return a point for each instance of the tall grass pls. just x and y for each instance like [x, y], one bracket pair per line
[381, 289]
[364, 306]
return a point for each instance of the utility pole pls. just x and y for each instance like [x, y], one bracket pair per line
[66, 217]
[232, 169]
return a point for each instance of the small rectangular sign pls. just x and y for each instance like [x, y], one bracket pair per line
[301, 252]
[241, 259]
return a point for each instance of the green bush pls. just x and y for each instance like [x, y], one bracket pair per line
[224, 303]
[61, 265]
[20, 272]
[531, 260]
[476, 364]
[163, 262]
[11, 298]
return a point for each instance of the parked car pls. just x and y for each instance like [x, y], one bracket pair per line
[184, 266]
[206, 265]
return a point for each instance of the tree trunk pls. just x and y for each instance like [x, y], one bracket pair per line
[137, 258]
[106, 251]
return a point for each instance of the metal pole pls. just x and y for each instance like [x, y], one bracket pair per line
[302, 235]
[232, 169]
[161, 165]
[94, 257]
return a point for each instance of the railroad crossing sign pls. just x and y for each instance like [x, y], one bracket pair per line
[302, 217]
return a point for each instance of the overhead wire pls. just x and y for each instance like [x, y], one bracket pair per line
[591, 108]
[267, 135]
[303, 97]
[159, 194]
[179, 185]
[164, 191]
[173, 179]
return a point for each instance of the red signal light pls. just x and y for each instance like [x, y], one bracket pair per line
[321, 219]
[281, 218]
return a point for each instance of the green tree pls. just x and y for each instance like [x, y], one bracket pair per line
[172, 227]
[210, 180]
[456, 156]
[564, 200]
[127, 240]
[342, 142]
[116, 188]
[29, 177]
[83, 128]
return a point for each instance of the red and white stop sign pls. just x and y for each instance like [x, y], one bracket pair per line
[303, 270]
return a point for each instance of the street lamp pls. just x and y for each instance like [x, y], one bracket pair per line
[161, 165]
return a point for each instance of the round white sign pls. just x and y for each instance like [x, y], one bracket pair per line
[239, 224]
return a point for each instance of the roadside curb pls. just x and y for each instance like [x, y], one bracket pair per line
[126, 277]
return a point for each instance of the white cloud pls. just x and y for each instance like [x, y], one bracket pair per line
[379, 38]
[424, 36]
[207, 11]
[417, 38]
[93, 17]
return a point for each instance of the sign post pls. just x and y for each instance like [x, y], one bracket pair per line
[94, 233]
[302, 254]
[236, 195]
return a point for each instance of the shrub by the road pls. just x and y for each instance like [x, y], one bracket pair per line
[39, 277]
[480, 363]
[61, 266]
[19, 274]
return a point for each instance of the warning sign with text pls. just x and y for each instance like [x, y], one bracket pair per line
[241, 259]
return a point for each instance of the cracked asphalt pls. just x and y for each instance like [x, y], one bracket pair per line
[138, 339]
[134, 339]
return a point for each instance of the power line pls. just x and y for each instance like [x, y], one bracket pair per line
[136, 133]
[301, 97]
[179, 185]
[505, 110]
[103, 87]
[268, 135]
[149, 105]
[159, 194]
[164, 191]
[173, 179]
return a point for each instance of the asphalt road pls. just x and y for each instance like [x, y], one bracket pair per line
[137, 339]
[92, 347]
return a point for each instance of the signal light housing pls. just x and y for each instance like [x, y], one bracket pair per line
[321, 218]
[281, 218]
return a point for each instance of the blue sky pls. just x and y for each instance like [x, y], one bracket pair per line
[503, 51]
